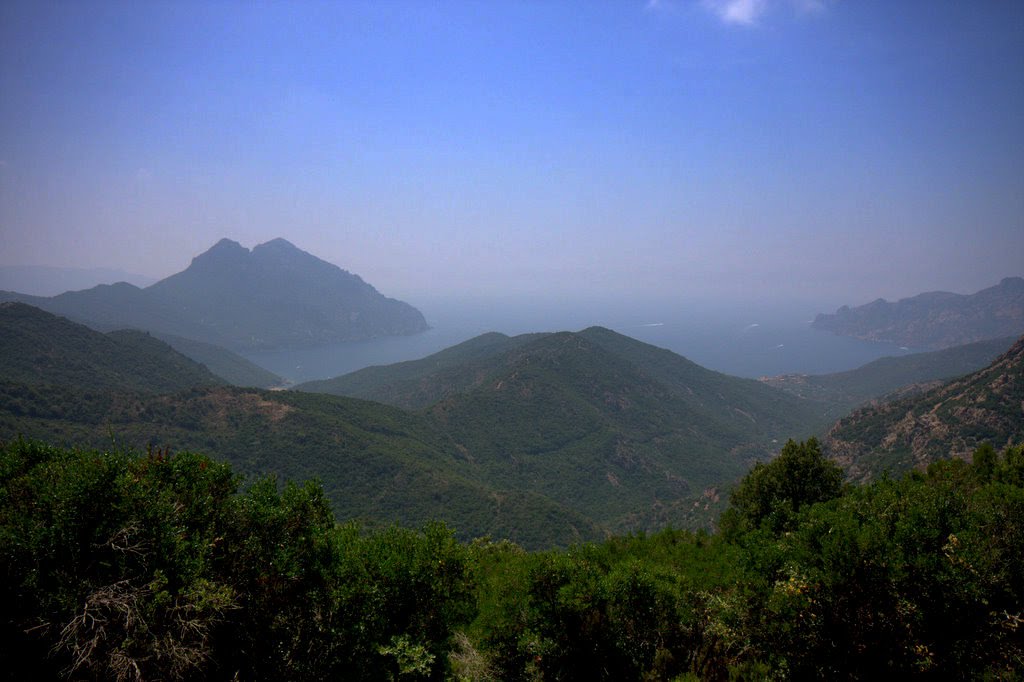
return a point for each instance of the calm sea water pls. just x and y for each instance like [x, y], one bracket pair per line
[748, 340]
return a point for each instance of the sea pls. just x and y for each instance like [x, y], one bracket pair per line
[742, 339]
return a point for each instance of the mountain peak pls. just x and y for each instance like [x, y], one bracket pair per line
[1012, 282]
[279, 244]
[275, 295]
[224, 253]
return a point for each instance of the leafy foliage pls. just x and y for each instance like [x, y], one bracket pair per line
[121, 567]
[917, 577]
[772, 495]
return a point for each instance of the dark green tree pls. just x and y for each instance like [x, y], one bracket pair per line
[773, 494]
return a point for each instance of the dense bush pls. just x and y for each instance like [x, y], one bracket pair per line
[166, 567]
[914, 577]
[162, 567]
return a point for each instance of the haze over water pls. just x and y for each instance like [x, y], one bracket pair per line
[744, 340]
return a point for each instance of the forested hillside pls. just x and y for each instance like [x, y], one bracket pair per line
[557, 438]
[230, 366]
[37, 347]
[631, 435]
[377, 463]
[633, 445]
[416, 384]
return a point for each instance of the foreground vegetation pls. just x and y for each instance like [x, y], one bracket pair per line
[169, 566]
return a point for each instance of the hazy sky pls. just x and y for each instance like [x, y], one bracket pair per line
[836, 150]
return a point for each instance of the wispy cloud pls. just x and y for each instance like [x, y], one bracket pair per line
[750, 12]
[659, 5]
[745, 12]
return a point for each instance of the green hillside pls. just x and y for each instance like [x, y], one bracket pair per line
[632, 435]
[416, 384]
[420, 383]
[842, 391]
[37, 347]
[377, 463]
[567, 417]
[229, 366]
[949, 421]
[545, 439]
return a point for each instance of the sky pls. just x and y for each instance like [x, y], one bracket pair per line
[828, 150]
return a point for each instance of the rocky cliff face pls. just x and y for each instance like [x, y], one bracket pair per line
[935, 320]
[948, 421]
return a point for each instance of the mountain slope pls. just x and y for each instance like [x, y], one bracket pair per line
[231, 367]
[949, 421]
[37, 347]
[274, 296]
[935, 320]
[840, 392]
[549, 439]
[417, 384]
[745, 403]
[567, 417]
[378, 464]
[630, 434]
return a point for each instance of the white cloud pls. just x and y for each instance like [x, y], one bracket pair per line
[749, 12]
[745, 12]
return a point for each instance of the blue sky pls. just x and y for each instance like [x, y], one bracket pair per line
[831, 150]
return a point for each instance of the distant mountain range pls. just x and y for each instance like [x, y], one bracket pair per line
[938, 319]
[43, 280]
[948, 421]
[274, 296]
